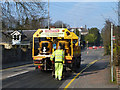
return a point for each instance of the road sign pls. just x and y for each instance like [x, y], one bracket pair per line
[52, 33]
[113, 37]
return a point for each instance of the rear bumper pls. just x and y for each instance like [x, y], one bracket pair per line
[68, 59]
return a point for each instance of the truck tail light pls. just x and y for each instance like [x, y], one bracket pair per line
[38, 66]
[37, 62]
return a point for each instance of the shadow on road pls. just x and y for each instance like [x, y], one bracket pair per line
[32, 79]
[95, 68]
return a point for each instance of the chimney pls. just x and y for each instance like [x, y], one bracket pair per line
[85, 26]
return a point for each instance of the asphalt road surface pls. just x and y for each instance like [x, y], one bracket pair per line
[94, 73]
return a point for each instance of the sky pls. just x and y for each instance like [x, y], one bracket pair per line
[77, 14]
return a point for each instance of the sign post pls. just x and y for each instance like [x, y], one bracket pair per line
[79, 36]
[113, 37]
[111, 52]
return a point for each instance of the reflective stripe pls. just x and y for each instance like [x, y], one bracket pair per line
[59, 56]
[52, 56]
[58, 62]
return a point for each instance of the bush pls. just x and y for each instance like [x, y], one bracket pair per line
[116, 55]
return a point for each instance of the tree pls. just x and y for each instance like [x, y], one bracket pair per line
[95, 31]
[91, 38]
[60, 24]
[19, 11]
[106, 35]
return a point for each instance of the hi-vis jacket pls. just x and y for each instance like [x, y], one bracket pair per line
[59, 56]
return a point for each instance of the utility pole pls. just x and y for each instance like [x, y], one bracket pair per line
[79, 35]
[119, 13]
[62, 25]
[48, 16]
[111, 52]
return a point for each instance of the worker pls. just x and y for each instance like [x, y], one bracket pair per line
[59, 61]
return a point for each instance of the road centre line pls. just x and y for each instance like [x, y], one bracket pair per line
[91, 63]
[17, 74]
[15, 67]
[23, 66]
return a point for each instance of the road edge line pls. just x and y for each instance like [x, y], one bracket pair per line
[91, 63]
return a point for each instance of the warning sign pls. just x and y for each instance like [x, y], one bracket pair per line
[52, 33]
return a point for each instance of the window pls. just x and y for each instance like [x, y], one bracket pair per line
[17, 37]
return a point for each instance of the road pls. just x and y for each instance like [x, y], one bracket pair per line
[94, 73]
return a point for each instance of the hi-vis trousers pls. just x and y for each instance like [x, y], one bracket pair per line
[58, 70]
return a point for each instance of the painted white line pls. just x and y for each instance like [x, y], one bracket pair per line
[83, 62]
[17, 74]
[16, 67]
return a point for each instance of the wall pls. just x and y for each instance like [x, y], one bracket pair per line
[118, 74]
[15, 55]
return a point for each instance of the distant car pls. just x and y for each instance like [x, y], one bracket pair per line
[100, 46]
[94, 47]
[90, 47]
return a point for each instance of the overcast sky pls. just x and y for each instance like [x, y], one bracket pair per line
[77, 14]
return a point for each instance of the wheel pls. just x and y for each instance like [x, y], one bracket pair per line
[64, 72]
[78, 64]
[36, 67]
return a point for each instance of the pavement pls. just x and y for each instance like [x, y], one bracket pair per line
[94, 73]
[95, 76]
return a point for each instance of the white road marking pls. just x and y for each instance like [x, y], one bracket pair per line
[82, 62]
[15, 67]
[17, 74]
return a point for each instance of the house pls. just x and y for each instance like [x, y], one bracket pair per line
[16, 37]
[28, 34]
[84, 31]
[27, 38]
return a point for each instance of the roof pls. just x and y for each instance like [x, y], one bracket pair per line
[55, 32]
[29, 34]
[84, 30]
[6, 37]
[26, 35]
[16, 32]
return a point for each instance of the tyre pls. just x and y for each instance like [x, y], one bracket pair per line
[36, 67]
[79, 62]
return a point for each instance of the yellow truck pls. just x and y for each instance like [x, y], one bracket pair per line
[46, 41]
